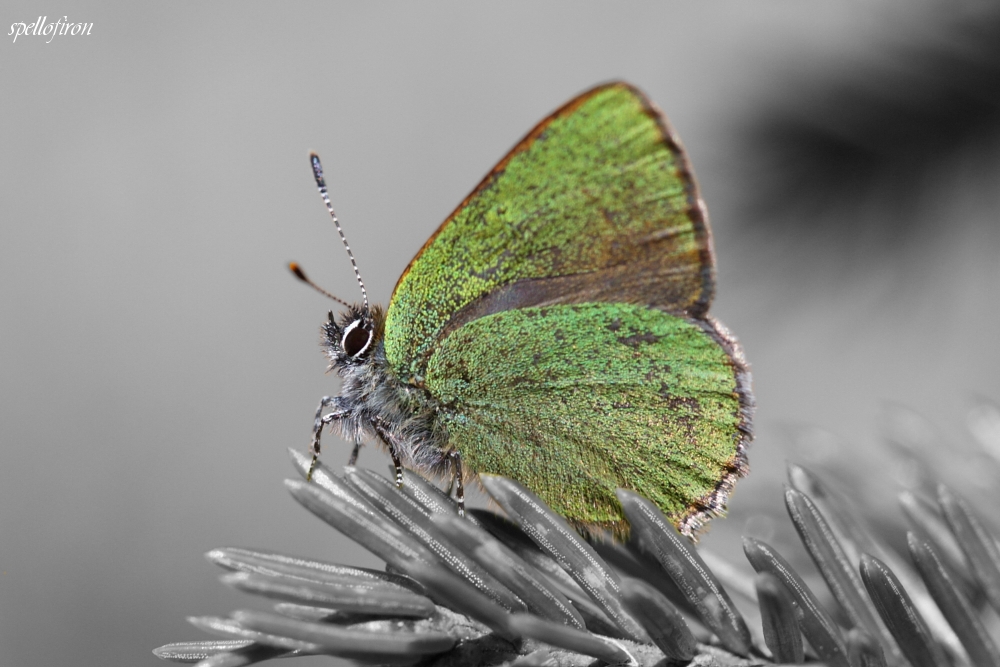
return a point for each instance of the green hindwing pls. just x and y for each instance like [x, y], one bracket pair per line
[575, 400]
[597, 203]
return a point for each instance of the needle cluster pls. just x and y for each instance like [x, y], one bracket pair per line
[522, 588]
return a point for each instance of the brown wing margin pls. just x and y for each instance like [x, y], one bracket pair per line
[714, 503]
[538, 291]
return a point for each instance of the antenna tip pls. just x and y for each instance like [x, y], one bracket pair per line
[297, 270]
[317, 168]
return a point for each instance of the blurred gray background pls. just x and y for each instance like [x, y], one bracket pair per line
[158, 359]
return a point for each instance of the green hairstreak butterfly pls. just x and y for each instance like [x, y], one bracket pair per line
[555, 330]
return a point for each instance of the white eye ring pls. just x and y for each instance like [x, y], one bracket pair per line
[347, 331]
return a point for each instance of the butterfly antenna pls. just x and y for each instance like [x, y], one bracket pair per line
[301, 275]
[321, 184]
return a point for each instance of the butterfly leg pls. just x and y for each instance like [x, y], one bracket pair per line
[456, 462]
[354, 453]
[397, 465]
[383, 433]
[321, 421]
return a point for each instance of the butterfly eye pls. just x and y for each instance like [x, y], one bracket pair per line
[356, 339]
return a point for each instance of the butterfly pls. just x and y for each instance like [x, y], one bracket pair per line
[555, 330]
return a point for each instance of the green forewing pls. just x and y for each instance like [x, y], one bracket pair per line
[575, 400]
[597, 204]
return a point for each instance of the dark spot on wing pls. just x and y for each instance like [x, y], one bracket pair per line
[636, 340]
[688, 404]
[683, 412]
[610, 217]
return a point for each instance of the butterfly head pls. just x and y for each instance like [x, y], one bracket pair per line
[351, 339]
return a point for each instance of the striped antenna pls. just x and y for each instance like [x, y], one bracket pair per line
[321, 184]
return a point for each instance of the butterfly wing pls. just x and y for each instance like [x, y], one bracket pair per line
[558, 320]
[596, 204]
[575, 400]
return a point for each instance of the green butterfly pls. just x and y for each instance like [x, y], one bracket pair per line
[555, 330]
